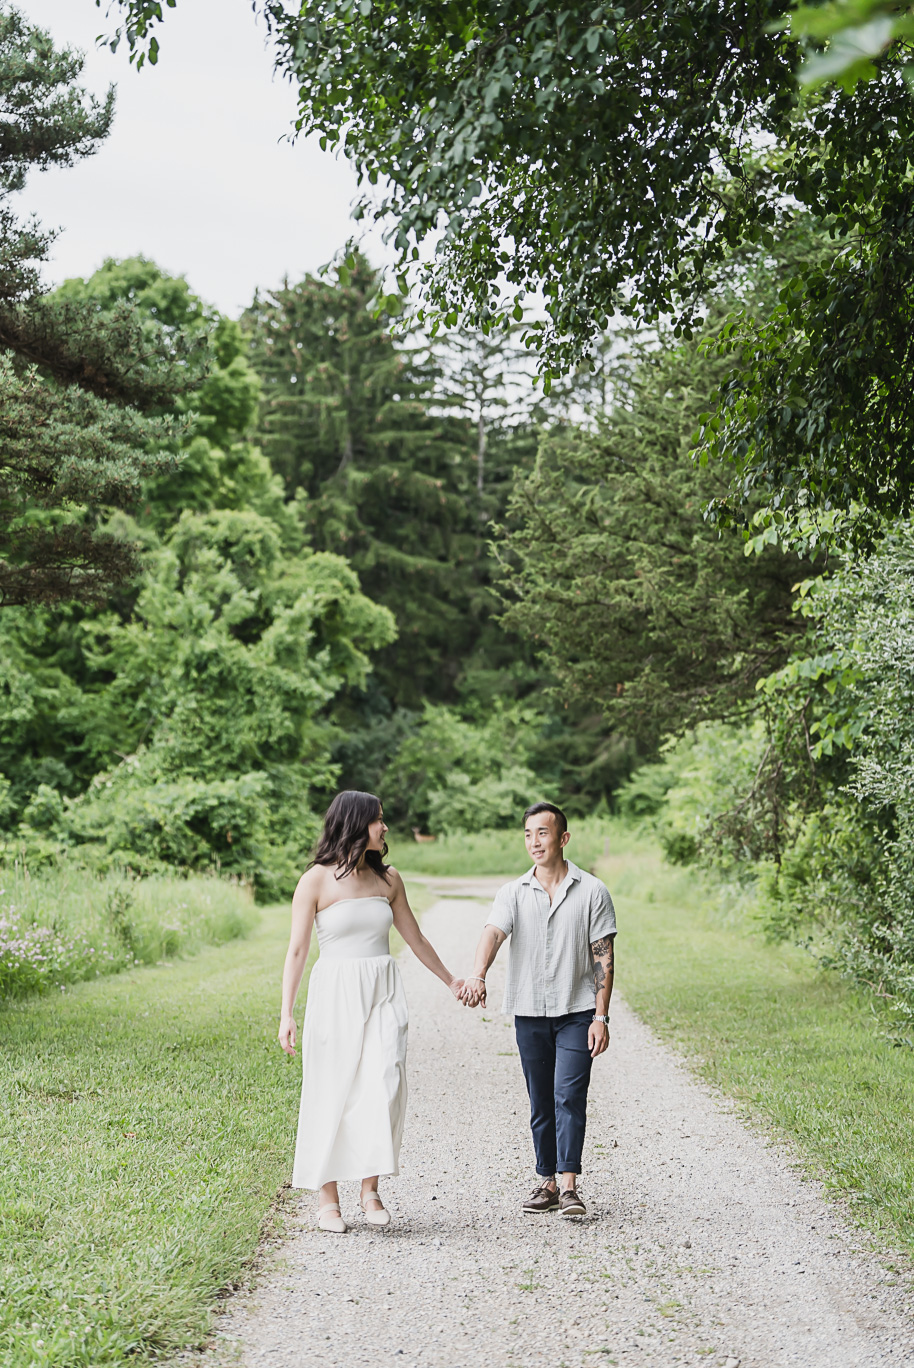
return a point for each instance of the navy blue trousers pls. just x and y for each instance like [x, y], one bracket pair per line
[556, 1061]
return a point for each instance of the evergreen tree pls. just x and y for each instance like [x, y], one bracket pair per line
[636, 604]
[346, 421]
[81, 392]
[488, 380]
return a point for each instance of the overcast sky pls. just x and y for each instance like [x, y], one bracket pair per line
[196, 172]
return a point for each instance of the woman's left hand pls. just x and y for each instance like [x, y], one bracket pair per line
[456, 987]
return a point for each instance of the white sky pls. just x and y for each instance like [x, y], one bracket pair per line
[195, 173]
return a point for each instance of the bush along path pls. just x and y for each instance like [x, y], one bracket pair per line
[702, 1244]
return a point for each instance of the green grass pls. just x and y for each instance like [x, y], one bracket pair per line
[486, 853]
[799, 1048]
[147, 1121]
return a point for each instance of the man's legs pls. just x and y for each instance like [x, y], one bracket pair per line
[571, 1080]
[536, 1045]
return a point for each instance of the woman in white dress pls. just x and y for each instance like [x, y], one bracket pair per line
[353, 1100]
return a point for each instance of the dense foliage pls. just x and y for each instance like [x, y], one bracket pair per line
[812, 801]
[607, 156]
[84, 396]
[639, 606]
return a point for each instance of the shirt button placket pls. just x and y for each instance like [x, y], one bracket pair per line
[548, 993]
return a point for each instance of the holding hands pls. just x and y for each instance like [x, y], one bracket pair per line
[474, 991]
[474, 985]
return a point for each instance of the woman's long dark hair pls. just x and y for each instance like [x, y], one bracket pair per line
[344, 837]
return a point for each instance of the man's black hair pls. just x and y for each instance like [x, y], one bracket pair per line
[561, 821]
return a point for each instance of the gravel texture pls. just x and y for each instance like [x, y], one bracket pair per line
[702, 1245]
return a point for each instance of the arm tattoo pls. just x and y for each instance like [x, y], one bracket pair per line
[603, 948]
[602, 951]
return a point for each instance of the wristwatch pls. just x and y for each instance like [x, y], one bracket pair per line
[605, 1020]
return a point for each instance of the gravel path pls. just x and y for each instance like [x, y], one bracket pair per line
[702, 1246]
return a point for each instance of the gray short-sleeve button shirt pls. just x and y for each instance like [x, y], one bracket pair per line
[550, 969]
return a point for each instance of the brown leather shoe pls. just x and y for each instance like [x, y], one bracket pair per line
[570, 1203]
[543, 1198]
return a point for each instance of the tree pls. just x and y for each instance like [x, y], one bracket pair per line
[219, 465]
[223, 674]
[47, 121]
[346, 421]
[203, 714]
[582, 151]
[81, 394]
[487, 379]
[609, 155]
[639, 607]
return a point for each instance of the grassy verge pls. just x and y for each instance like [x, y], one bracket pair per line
[798, 1047]
[146, 1124]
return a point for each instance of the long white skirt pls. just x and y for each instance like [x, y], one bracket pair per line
[353, 1098]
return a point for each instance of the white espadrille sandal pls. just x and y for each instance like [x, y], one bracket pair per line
[326, 1219]
[375, 1218]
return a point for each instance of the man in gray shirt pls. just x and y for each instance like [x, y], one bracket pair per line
[560, 975]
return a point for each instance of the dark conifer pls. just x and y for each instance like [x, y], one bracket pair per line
[346, 421]
[83, 390]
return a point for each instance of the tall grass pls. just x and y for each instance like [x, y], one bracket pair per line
[65, 925]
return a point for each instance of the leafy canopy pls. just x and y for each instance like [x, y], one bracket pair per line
[608, 155]
[596, 153]
[85, 390]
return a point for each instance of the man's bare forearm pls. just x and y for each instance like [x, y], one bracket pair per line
[603, 967]
[489, 945]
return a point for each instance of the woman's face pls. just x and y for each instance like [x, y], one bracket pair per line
[377, 831]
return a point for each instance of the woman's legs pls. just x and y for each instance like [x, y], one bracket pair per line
[328, 1196]
[329, 1216]
[370, 1185]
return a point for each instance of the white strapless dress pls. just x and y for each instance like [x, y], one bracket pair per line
[353, 1097]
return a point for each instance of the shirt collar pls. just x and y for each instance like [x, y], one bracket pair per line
[574, 874]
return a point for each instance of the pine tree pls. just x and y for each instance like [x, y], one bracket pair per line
[82, 390]
[346, 421]
[488, 380]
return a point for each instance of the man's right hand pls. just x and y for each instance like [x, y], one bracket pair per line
[474, 992]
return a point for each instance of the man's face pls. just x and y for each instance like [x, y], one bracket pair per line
[541, 836]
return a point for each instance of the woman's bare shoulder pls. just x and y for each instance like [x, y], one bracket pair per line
[312, 880]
